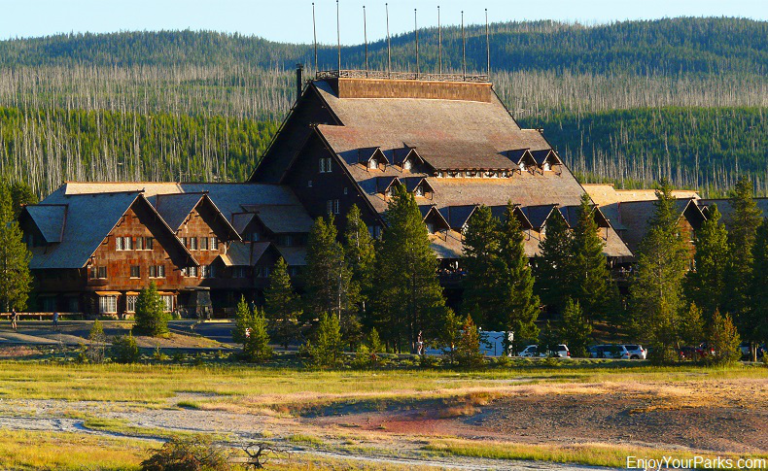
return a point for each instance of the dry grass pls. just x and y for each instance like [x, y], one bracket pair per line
[26, 450]
[592, 454]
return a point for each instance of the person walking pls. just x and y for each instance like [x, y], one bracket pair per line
[419, 344]
[56, 320]
[14, 318]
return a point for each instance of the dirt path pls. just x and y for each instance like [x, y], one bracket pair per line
[49, 415]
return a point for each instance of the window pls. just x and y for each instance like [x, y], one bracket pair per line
[130, 303]
[205, 271]
[167, 302]
[262, 272]
[107, 304]
[144, 243]
[522, 166]
[98, 273]
[329, 206]
[407, 165]
[157, 271]
[203, 243]
[139, 243]
[240, 272]
[135, 271]
[118, 243]
[373, 164]
[48, 304]
[309, 183]
[285, 240]
[127, 243]
[420, 190]
[335, 206]
[185, 242]
[255, 237]
[190, 272]
[430, 228]
[547, 167]
[153, 271]
[149, 243]
[325, 165]
[346, 190]
[192, 243]
[213, 243]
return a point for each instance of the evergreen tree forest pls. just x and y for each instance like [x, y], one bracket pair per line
[628, 102]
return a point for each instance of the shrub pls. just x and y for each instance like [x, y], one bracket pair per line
[326, 349]
[96, 351]
[256, 347]
[468, 348]
[188, 454]
[724, 339]
[150, 318]
[125, 349]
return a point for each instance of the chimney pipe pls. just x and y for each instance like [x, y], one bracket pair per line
[299, 85]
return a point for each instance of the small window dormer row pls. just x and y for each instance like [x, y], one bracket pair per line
[374, 159]
[418, 186]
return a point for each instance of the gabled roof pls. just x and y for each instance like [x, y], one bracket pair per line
[458, 216]
[636, 217]
[240, 221]
[725, 208]
[538, 215]
[50, 219]
[91, 218]
[294, 256]
[366, 154]
[405, 154]
[175, 208]
[430, 213]
[499, 211]
[282, 219]
[571, 215]
[384, 183]
[241, 254]
[546, 155]
[411, 183]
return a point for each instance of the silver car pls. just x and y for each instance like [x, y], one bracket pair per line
[636, 352]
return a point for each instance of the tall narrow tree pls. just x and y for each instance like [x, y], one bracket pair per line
[520, 304]
[705, 284]
[552, 269]
[408, 294]
[282, 305]
[482, 285]
[745, 219]
[590, 284]
[15, 277]
[327, 276]
[656, 290]
[755, 321]
[360, 254]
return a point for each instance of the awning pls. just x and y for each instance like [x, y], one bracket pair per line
[108, 293]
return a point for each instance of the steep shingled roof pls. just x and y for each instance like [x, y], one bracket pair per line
[90, 219]
[50, 219]
[636, 217]
[282, 219]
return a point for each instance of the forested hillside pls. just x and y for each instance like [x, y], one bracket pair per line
[626, 102]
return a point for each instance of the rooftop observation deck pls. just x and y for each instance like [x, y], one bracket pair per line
[383, 84]
[384, 75]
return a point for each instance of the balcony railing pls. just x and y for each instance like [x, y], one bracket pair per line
[382, 74]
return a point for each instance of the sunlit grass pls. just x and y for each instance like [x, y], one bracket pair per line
[32, 450]
[592, 454]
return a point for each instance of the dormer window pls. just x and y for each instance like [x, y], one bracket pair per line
[546, 167]
[419, 191]
[430, 228]
[522, 166]
[373, 164]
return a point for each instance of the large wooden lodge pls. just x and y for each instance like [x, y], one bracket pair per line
[348, 140]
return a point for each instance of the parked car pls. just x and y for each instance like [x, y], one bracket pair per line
[687, 353]
[703, 350]
[609, 351]
[636, 352]
[532, 351]
[746, 351]
[561, 351]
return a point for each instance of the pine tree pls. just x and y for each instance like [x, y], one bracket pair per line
[325, 349]
[408, 297]
[483, 290]
[328, 278]
[576, 329]
[724, 339]
[745, 219]
[15, 277]
[98, 343]
[468, 346]
[656, 290]
[520, 305]
[243, 316]
[256, 346]
[151, 319]
[692, 326]
[553, 267]
[755, 325]
[449, 333]
[21, 195]
[706, 283]
[282, 305]
[590, 278]
[360, 254]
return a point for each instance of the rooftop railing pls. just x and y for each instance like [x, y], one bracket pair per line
[380, 74]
